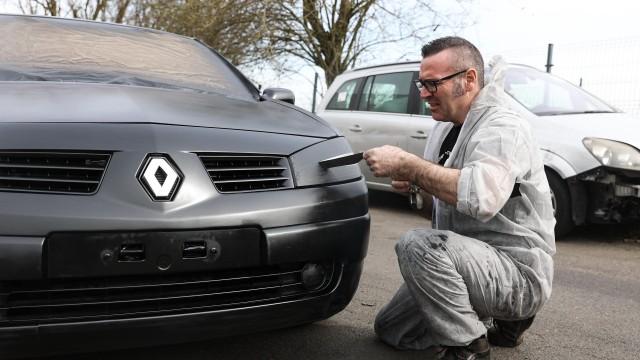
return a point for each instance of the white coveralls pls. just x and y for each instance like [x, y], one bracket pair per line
[489, 256]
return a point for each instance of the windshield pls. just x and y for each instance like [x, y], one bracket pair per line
[544, 94]
[49, 49]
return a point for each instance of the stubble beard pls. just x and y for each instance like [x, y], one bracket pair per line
[458, 89]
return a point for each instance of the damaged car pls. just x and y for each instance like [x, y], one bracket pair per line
[589, 148]
[150, 194]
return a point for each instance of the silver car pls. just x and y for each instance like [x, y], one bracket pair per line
[590, 149]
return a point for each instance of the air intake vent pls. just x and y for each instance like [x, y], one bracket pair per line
[62, 301]
[247, 173]
[52, 172]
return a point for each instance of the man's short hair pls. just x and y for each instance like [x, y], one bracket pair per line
[467, 55]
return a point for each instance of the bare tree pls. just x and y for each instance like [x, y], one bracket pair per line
[104, 10]
[334, 34]
[235, 28]
[33, 7]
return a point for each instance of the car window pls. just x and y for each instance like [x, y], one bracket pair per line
[342, 98]
[112, 54]
[388, 93]
[544, 94]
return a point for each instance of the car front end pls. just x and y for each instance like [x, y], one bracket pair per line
[615, 184]
[137, 215]
[590, 149]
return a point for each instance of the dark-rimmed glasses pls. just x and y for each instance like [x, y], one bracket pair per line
[432, 85]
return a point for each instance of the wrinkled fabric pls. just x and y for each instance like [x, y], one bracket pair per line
[488, 256]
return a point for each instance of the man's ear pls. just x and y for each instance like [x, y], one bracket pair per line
[471, 78]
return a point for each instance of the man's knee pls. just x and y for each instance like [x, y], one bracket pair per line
[418, 243]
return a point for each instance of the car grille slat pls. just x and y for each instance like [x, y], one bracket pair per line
[111, 299]
[265, 168]
[252, 180]
[29, 296]
[132, 284]
[243, 173]
[50, 301]
[47, 180]
[52, 172]
[51, 167]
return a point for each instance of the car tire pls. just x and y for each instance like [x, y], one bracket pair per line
[561, 201]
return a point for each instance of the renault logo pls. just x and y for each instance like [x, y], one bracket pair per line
[159, 177]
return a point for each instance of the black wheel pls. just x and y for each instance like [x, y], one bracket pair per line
[561, 201]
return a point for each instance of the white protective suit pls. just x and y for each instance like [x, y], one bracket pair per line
[490, 255]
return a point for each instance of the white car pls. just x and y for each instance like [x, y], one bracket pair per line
[590, 149]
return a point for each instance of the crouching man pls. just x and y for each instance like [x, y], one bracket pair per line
[489, 252]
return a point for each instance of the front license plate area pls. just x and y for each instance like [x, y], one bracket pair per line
[92, 254]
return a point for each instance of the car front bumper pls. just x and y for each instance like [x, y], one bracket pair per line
[59, 294]
[607, 195]
[92, 336]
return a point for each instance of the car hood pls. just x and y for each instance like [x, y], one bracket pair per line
[104, 103]
[571, 129]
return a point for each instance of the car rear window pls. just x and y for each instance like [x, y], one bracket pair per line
[341, 100]
[48, 49]
[387, 93]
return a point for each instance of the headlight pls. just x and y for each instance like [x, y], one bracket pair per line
[613, 153]
[307, 171]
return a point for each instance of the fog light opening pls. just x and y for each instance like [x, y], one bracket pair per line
[313, 276]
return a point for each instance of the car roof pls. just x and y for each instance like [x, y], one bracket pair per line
[386, 66]
[400, 66]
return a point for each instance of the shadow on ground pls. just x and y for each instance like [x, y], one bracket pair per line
[327, 339]
[393, 201]
[606, 233]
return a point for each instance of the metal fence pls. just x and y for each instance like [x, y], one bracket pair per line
[607, 69]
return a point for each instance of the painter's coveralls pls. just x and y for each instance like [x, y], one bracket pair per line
[489, 256]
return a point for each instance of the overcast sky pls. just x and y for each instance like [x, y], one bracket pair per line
[513, 28]
[513, 24]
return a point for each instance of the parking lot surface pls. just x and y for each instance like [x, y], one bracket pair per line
[594, 312]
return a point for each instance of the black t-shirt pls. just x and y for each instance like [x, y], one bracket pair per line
[448, 143]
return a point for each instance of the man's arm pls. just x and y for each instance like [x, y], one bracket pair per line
[395, 163]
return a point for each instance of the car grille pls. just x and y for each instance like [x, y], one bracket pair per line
[70, 300]
[52, 172]
[247, 173]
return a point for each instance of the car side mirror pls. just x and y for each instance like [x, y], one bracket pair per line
[281, 94]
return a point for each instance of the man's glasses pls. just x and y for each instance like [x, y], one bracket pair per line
[432, 85]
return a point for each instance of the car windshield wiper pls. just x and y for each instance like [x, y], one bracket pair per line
[138, 81]
[12, 75]
[597, 111]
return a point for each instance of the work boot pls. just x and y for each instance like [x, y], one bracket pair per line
[478, 349]
[508, 333]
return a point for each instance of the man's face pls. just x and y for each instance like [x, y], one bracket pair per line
[449, 102]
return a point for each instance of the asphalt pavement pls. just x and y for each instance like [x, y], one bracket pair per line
[594, 312]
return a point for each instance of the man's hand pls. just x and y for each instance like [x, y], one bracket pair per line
[403, 167]
[402, 186]
[385, 160]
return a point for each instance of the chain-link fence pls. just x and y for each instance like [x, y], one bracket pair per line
[607, 69]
